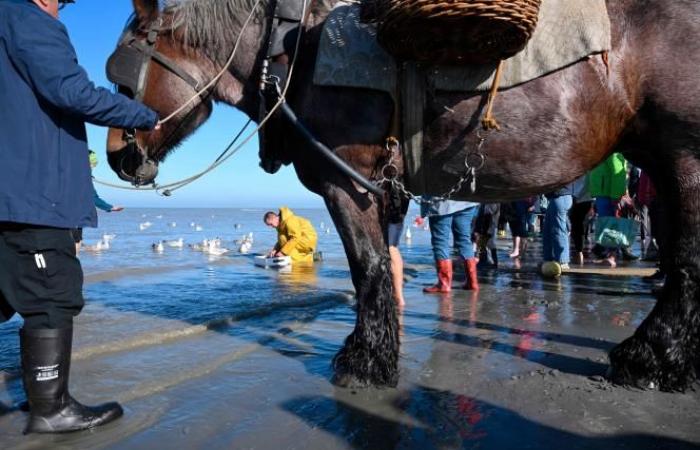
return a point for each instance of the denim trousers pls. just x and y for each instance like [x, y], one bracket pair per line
[555, 238]
[460, 224]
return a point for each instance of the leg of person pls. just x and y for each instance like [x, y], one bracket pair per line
[461, 229]
[577, 216]
[560, 229]
[45, 281]
[397, 275]
[547, 232]
[394, 232]
[440, 239]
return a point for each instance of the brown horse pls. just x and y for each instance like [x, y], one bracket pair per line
[644, 102]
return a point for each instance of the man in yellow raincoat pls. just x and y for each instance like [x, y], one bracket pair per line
[296, 237]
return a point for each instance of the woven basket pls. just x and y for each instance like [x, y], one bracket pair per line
[452, 31]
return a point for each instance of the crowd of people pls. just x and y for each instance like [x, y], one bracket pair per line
[592, 220]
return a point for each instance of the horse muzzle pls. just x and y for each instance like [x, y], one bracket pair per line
[133, 164]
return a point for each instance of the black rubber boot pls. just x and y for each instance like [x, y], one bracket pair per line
[45, 368]
[494, 257]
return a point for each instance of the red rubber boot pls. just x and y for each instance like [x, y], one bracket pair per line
[472, 282]
[444, 274]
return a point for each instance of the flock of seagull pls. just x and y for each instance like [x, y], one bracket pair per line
[213, 247]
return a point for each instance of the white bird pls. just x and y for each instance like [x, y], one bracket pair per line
[158, 247]
[192, 224]
[144, 225]
[328, 230]
[245, 247]
[179, 243]
[108, 237]
[198, 228]
[214, 248]
[98, 247]
[238, 226]
[173, 224]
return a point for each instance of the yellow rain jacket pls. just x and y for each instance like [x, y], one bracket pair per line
[296, 237]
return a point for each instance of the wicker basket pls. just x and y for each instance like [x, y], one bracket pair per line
[452, 31]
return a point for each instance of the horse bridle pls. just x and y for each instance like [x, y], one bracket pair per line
[129, 65]
[128, 68]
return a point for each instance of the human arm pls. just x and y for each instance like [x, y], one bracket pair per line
[101, 204]
[47, 61]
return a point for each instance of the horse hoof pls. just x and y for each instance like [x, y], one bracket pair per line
[347, 380]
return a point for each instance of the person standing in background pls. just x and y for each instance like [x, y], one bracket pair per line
[555, 236]
[99, 204]
[450, 217]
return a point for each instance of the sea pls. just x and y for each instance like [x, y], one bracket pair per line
[131, 290]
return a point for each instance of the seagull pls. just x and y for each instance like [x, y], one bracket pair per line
[158, 247]
[144, 225]
[98, 247]
[245, 247]
[198, 228]
[214, 248]
[179, 243]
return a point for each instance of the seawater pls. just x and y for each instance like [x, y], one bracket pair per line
[134, 294]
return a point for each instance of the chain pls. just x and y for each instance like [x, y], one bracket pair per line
[473, 162]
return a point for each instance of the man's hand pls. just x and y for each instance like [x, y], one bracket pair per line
[117, 208]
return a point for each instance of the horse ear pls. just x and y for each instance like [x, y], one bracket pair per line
[146, 10]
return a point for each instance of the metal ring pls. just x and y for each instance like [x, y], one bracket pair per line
[389, 176]
[480, 161]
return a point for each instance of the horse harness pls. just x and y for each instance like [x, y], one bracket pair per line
[129, 65]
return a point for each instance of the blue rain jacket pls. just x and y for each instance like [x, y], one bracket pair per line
[45, 100]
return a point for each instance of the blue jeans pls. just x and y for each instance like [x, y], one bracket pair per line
[460, 223]
[555, 237]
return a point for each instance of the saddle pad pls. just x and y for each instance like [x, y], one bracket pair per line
[568, 30]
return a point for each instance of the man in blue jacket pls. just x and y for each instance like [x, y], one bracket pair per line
[45, 190]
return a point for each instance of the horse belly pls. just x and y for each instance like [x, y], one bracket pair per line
[552, 131]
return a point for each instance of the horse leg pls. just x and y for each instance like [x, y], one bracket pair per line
[370, 354]
[664, 349]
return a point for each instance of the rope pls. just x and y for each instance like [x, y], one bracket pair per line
[167, 189]
[489, 121]
[214, 80]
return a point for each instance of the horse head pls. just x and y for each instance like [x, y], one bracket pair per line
[167, 60]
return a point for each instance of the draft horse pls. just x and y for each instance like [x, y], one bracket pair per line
[645, 102]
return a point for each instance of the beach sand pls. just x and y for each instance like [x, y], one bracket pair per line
[518, 365]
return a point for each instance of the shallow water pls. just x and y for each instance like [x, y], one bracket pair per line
[130, 283]
[217, 353]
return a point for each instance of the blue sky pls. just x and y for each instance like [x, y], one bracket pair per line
[94, 27]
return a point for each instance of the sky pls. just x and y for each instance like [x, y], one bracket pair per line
[94, 27]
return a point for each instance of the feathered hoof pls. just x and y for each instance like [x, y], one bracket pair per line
[634, 363]
[357, 369]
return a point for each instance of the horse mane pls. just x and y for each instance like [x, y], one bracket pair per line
[211, 25]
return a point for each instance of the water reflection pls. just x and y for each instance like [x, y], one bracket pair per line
[299, 277]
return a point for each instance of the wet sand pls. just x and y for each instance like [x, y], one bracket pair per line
[518, 365]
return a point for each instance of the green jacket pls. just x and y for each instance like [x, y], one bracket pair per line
[609, 179]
